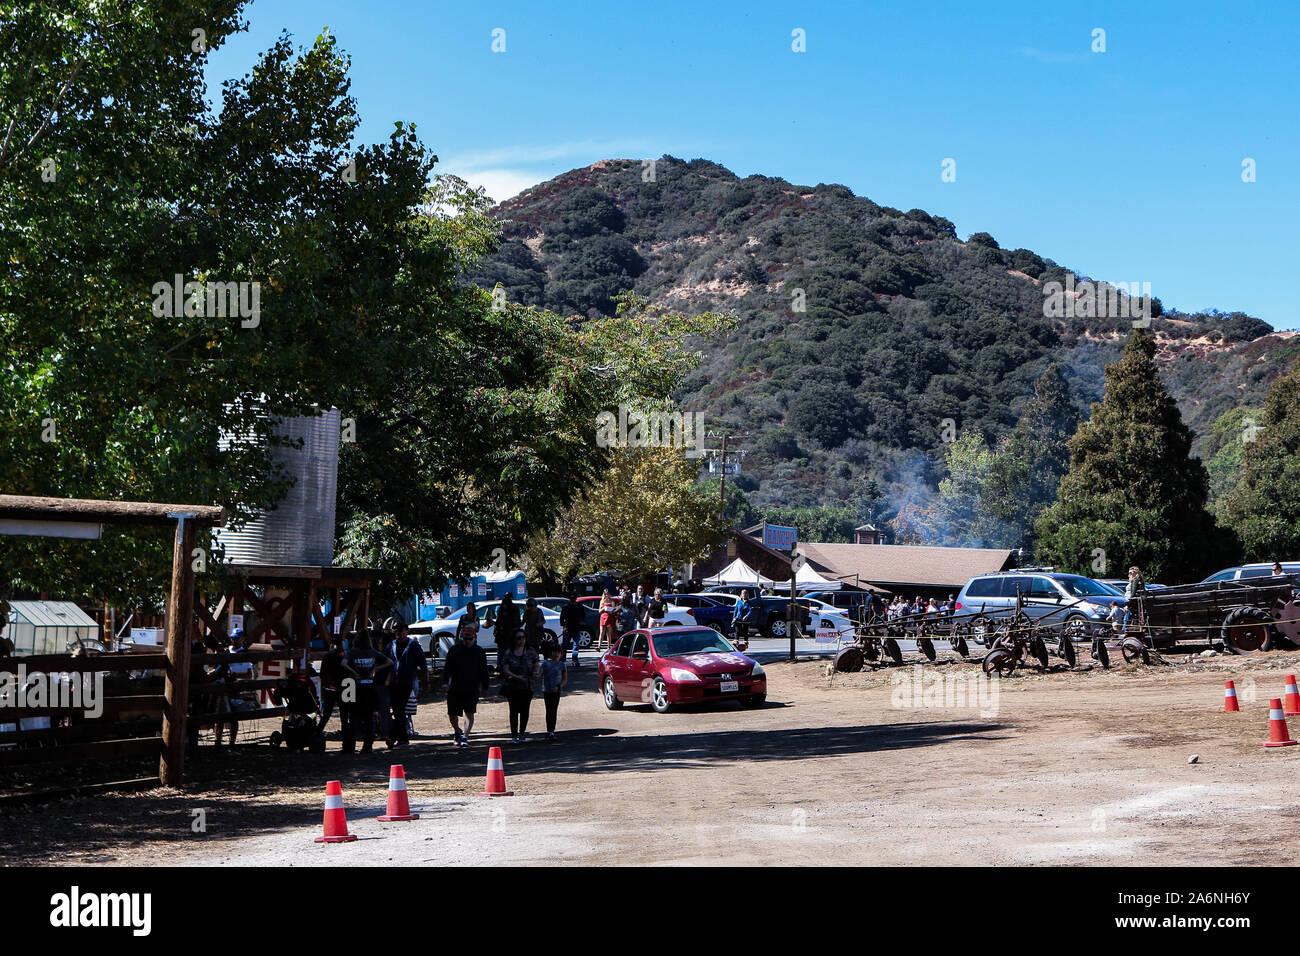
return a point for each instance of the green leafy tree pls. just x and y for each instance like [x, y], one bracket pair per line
[1264, 507]
[1233, 431]
[1133, 494]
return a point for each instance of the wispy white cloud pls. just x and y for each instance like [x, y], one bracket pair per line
[502, 184]
[517, 156]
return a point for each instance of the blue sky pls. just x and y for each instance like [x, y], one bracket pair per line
[1124, 165]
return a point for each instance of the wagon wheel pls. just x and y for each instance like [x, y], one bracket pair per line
[1100, 654]
[849, 660]
[958, 644]
[1286, 619]
[926, 647]
[892, 650]
[1065, 649]
[1247, 630]
[1038, 647]
[1134, 649]
[999, 661]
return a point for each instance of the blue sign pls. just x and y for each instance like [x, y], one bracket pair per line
[779, 538]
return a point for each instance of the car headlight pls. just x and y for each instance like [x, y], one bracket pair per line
[681, 674]
[1091, 608]
[758, 671]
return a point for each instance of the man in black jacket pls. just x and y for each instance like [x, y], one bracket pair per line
[507, 622]
[467, 675]
[408, 666]
[572, 617]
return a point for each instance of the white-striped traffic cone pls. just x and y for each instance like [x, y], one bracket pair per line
[398, 807]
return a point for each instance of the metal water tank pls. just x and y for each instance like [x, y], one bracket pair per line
[300, 530]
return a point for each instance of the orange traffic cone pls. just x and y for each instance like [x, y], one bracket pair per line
[496, 776]
[1230, 697]
[1277, 732]
[1292, 697]
[336, 818]
[398, 808]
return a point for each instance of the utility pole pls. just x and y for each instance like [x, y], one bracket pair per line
[722, 485]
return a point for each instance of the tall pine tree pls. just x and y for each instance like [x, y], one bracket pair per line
[1264, 508]
[1134, 494]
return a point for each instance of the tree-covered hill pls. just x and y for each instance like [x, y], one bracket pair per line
[868, 334]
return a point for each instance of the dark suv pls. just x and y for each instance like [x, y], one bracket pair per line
[770, 615]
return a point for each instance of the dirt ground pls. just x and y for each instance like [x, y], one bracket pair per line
[1085, 767]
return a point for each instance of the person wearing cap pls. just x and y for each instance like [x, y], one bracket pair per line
[408, 667]
[1134, 588]
[467, 674]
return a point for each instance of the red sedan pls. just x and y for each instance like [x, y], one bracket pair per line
[679, 665]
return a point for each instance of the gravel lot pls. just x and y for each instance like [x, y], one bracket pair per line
[1084, 767]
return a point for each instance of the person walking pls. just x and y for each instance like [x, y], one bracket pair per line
[468, 676]
[332, 675]
[408, 667]
[534, 624]
[608, 620]
[628, 619]
[518, 669]
[507, 621]
[572, 617]
[554, 677]
[363, 665]
[655, 609]
[740, 616]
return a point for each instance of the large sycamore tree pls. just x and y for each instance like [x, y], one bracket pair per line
[1133, 494]
[472, 417]
[1264, 508]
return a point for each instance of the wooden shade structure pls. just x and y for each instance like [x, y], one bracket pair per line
[180, 600]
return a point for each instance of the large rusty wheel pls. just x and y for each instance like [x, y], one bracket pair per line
[849, 660]
[926, 647]
[893, 651]
[1286, 619]
[1247, 630]
[999, 661]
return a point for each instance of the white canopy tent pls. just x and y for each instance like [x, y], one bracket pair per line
[808, 579]
[739, 573]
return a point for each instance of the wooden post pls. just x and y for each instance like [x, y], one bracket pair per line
[180, 614]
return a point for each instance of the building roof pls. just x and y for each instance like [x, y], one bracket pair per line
[901, 564]
[51, 614]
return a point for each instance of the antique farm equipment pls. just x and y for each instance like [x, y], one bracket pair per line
[1245, 616]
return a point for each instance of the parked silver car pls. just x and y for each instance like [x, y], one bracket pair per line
[1081, 605]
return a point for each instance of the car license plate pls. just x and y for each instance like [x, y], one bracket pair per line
[730, 686]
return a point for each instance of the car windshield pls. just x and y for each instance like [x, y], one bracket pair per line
[1087, 587]
[695, 641]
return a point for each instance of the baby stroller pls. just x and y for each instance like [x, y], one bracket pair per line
[298, 729]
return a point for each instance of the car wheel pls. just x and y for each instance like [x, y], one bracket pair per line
[1075, 629]
[776, 628]
[754, 701]
[611, 698]
[586, 638]
[659, 696]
